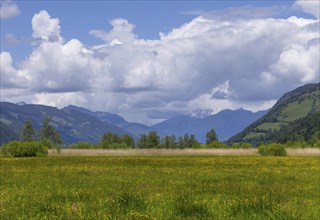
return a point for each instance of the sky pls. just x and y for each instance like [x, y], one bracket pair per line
[152, 60]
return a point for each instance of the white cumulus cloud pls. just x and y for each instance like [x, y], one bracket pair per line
[309, 6]
[122, 32]
[45, 28]
[8, 9]
[11, 77]
[209, 62]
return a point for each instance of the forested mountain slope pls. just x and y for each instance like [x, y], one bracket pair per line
[73, 125]
[295, 117]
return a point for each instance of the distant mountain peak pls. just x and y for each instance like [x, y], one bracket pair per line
[201, 113]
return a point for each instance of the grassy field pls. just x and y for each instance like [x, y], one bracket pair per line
[160, 187]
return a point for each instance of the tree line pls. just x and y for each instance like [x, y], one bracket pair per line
[46, 133]
[31, 144]
[153, 140]
[48, 137]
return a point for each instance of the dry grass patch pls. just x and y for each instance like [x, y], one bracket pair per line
[153, 152]
[177, 152]
[303, 151]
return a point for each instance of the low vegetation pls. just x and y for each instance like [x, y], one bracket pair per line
[24, 149]
[272, 149]
[188, 187]
[29, 145]
[81, 145]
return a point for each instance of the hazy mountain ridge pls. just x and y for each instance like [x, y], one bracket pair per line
[135, 129]
[80, 124]
[7, 133]
[226, 123]
[297, 108]
[73, 125]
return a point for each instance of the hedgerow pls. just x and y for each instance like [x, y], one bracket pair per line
[24, 149]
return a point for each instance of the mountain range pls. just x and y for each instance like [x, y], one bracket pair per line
[226, 123]
[295, 116]
[79, 124]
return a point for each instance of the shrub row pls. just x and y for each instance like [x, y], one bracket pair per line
[25, 149]
[36, 148]
[302, 144]
[87, 145]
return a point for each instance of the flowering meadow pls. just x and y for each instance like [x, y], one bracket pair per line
[160, 187]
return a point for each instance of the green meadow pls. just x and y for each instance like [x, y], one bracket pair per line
[160, 187]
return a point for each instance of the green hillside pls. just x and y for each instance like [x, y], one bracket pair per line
[295, 117]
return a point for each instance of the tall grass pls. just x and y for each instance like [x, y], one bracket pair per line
[176, 187]
[177, 152]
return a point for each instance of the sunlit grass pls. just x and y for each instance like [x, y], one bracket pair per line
[184, 187]
[274, 126]
[296, 110]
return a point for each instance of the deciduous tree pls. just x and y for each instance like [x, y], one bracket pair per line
[153, 139]
[128, 140]
[211, 136]
[143, 141]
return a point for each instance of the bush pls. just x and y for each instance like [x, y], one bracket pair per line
[197, 145]
[296, 144]
[81, 145]
[272, 149]
[317, 144]
[102, 145]
[24, 149]
[241, 145]
[118, 146]
[217, 144]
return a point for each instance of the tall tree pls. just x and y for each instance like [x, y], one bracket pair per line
[153, 139]
[28, 133]
[169, 141]
[127, 139]
[211, 136]
[143, 141]
[109, 138]
[48, 132]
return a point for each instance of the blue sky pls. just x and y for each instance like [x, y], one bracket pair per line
[151, 60]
